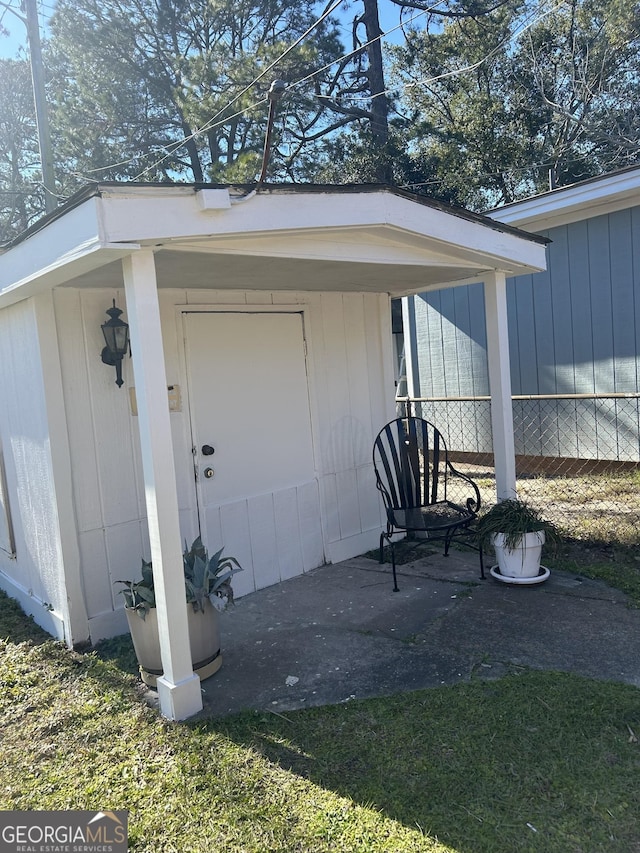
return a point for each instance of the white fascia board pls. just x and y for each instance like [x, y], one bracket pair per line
[572, 204]
[505, 250]
[63, 249]
[173, 216]
[153, 216]
[157, 218]
[160, 215]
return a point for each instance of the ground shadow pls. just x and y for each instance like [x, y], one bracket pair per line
[16, 626]
[119, 650]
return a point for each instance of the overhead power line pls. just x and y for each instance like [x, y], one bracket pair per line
[221, 117]
[212, 123]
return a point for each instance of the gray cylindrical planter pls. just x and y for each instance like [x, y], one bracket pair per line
[204, 638]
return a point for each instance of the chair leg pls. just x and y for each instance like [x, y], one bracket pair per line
[396, 588]
[387, 536]
[447, 542]
[481, 564]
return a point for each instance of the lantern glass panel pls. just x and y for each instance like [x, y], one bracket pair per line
[109, 337]
[121, 339]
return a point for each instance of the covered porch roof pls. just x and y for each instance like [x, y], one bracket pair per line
[284, 237]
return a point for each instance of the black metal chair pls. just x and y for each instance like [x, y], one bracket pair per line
[422, 491]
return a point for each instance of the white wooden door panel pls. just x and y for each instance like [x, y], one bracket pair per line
[249, 401]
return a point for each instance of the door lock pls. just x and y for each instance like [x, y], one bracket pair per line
[207, 450]
[208, 473]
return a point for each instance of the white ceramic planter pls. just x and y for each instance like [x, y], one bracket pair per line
[523, 561]
[204, 638]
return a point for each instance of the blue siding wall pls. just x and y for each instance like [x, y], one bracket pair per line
[574, 329]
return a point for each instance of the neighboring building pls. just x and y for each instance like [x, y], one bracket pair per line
[574, 332]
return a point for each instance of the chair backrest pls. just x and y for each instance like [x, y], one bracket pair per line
[410, 461]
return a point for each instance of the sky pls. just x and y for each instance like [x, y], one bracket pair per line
[17, 39]
[16, 42]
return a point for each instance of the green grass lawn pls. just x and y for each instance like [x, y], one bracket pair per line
[532, 762]
[616, 565]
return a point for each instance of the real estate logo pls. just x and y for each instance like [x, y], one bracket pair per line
[63, 832]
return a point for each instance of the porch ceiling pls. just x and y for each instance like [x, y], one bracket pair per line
[222, 271]
[256, 272]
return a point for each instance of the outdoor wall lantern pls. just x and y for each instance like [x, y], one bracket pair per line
[116, 336]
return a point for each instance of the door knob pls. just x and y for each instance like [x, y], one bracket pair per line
[208, 473]
[207, 450]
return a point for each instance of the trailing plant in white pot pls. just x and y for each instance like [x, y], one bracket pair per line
[208, 590]
[517, 533]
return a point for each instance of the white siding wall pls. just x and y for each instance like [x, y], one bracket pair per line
[352, 396]
[351, 387]
[34, 575]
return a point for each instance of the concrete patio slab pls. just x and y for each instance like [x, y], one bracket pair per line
[340, 632]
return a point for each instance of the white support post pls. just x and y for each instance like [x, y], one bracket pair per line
[495, 300]
[179, 688]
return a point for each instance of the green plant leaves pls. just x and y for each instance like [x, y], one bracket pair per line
[513, 518]
[203, 578]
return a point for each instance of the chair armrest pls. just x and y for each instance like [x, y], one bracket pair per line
[473, 504]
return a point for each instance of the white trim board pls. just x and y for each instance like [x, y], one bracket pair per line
[572, 204]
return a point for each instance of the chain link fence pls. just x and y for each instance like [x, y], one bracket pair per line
[577, 456]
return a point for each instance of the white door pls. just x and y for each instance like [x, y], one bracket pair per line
[252, 443]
